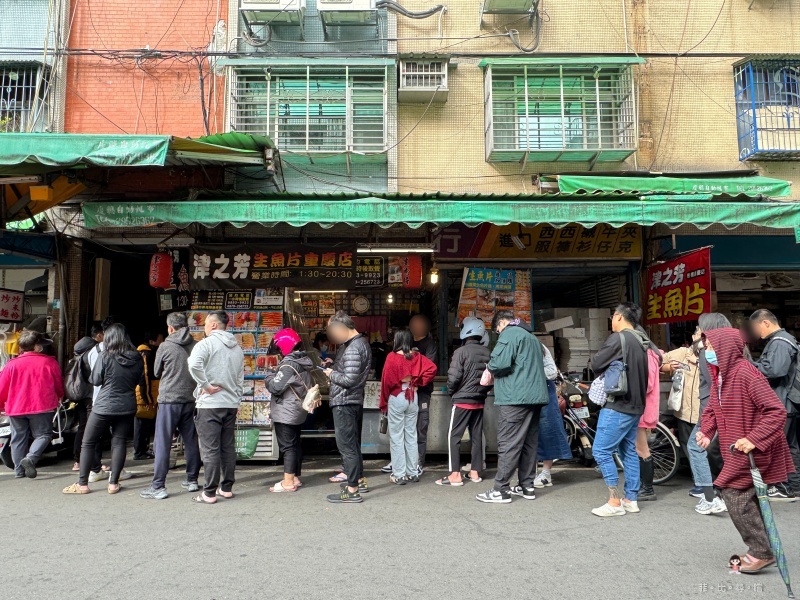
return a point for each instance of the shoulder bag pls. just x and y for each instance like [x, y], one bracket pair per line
[313, 398]
[616, 376]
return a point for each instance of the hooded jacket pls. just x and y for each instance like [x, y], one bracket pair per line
[742, 405]
[287, 387]
[117, 376]
[350, 372]
[636, 359]
[171, 367]
[218, 360]
[464, 374]
[417, 367]
[30, 384]
[517, 363]
[778, 362]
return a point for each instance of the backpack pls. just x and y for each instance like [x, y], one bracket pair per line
[794, 388]
[76, 387]
[616, 376]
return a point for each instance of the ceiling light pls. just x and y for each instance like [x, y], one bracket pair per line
[320, 291]
[434, 276]
[394, 250]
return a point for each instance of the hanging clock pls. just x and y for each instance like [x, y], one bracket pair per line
[360, 304]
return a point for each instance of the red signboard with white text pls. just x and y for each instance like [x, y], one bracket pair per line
[679, 289]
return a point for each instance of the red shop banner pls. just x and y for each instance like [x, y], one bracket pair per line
[679, 289]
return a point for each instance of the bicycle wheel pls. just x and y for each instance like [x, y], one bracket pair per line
[665, 454]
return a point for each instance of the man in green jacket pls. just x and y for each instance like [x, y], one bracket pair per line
[520, 391]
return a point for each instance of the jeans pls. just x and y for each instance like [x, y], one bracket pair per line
[216, 433]
[23, 427]
[169, 419]
[82, 408]
[288, 438]
[616, 431]
[347, 419]
[143, 430]
[97, 425]
[698, 460]
[403, 435]
[423, 420]
[517, 439]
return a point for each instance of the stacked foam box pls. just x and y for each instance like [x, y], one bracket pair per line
[574, 349]
[597, 327]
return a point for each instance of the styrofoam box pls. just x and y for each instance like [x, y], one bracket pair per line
[561, 323]
[599, 313]
[571, 332]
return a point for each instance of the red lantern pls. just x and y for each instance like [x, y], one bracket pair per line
[161, 270]
[412, 272]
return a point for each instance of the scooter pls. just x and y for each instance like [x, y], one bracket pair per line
[578, 420]
[65, 425]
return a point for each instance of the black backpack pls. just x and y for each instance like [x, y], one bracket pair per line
[76, 386]
[793, 394]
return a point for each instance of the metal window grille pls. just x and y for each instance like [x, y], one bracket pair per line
[313, 109]
[562, 110]
[768, 110]
[22, 93]
[423, 74]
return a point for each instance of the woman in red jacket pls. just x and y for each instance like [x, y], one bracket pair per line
[746, 413]
[405, 371]
[30, 389]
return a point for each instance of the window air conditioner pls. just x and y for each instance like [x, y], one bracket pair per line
[347, 12]
[423, 80]
[273, 12]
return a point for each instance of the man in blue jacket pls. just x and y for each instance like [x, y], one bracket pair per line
[520, 391]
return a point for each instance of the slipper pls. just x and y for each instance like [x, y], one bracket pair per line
[339, 469]
[478, 480]
[114, 489]
[76, 467]
[75, 488]
[278, 488]
[338, 478]
[201, 498]
[446, 481]
[226, 495]
[299, 484]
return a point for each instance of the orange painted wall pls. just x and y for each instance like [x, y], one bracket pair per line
[109, 95]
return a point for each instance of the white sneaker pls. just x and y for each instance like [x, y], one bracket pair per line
[609, 511]
[716, 506]
[387, 468]
[720, 505]
[631, 506]
[543, 480]
[95, 476]
[125, 475]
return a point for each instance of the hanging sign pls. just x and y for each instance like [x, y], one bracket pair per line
[176, 295]
[485, 291]
[236, 266]
[12, 305]
[679, 289]
[371, 271]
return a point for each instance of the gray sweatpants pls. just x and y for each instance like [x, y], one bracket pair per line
[216, 432]
[23, 427]
[517, 439]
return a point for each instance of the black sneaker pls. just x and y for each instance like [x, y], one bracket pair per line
[527, 493]
[780, 493]
[696, 492]
[412, 478]
[363, 488]
[397, 480]
[345, 497]
[494, 497]
[29, 468]
[647, 494]
[386, 468]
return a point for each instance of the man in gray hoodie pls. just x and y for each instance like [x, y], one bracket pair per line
[217, 365]
[176, 407]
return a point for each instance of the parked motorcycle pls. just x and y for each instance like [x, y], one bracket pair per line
[65, 426]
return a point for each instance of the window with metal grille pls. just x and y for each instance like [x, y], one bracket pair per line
[561, 113]
[768, 109]
[423, 74]
[22, 93]
[313, 109]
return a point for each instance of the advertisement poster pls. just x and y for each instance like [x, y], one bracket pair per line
[245, 266]
[12, 305]
[679, 289]
[177, 296]
[485, 291]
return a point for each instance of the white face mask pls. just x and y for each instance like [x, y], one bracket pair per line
[324, 347]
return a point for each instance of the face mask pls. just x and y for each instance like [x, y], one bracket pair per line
[324, 347]
[711, 357]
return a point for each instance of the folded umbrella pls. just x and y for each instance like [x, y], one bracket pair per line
[769, 521]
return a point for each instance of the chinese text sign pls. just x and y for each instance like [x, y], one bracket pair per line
[679, 289]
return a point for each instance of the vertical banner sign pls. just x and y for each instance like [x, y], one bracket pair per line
[12, 305]
[485, 291]
[679, 289]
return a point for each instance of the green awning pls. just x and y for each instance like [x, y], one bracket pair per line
[717, 186]
[415, 212]
[565, 61]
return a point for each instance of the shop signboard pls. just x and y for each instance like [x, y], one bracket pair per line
[371, 271]
[485, 291]
[679, 289]
[176, 295]
[540, 242]
[246, 266]
[12, 305]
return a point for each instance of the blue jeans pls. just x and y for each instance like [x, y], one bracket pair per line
[698, 460]
[402, 416]
[616, 432]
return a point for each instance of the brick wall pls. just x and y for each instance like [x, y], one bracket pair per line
[151, 96]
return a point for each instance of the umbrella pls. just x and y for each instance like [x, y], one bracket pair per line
[769, 521]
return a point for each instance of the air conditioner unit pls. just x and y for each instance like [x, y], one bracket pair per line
[423, 80]
[347, 12]
[273, 12]
[506, 7]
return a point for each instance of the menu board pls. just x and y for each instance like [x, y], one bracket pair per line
[254, 316]
[485, 291]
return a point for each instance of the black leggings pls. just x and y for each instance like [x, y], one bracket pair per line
[288, 437]
[121, 427]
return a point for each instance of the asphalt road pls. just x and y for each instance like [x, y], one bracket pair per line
[418, 541]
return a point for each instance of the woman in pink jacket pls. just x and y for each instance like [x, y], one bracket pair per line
[31, 386]
[649, 419]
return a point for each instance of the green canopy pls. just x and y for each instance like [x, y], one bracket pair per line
[728, 186]
[526, 210]
[562, 61]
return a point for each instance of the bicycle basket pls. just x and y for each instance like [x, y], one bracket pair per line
[246, 443]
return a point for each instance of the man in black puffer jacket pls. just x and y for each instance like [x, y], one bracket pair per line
[348, 378]
[469, 397]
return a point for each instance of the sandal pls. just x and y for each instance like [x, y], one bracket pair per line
[226, 495]
[478, 480]
[114, 488]
[76, 467]
[279, 487]
[446, 481]
[341, 477]
[201, 498]
[75, 488]
[298, 483]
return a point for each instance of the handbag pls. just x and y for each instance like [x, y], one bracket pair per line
[597, 391]
[616, 375]
[676, 391]
[384, 425]
[313, 399]
[487, 378]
